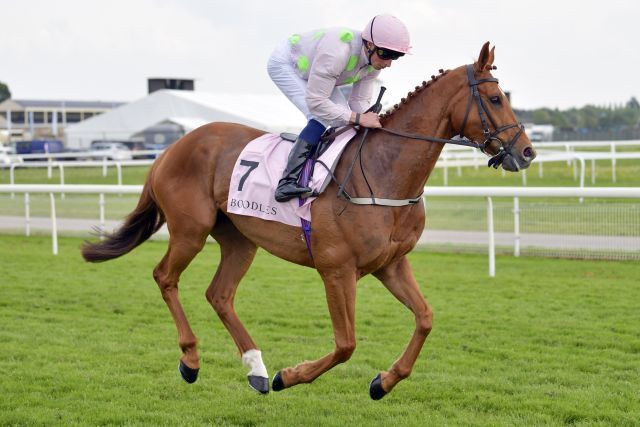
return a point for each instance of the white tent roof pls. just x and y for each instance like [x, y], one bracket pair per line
[272, 113]
[187, 123]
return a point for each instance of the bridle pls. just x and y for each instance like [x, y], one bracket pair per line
[505, 147]
[489, 136]
[496, 160]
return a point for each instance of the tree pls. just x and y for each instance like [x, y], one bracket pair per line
[633, 103]
[5, 93]
[542, 116]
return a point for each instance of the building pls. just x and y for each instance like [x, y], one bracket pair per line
[32, 119]
[164, 115]
[539, 133]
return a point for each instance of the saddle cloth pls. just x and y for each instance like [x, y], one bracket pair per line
[259, 168]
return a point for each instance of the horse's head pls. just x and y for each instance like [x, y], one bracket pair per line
[481, 112]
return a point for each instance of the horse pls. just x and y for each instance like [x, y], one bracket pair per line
[187, 187]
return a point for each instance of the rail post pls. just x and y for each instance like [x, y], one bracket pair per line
[54, 225]
[27, 216]
[516, 227]
[492, 243]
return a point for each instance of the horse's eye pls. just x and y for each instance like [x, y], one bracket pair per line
[495, 99]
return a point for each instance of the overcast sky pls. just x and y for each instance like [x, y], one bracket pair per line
[555, 53]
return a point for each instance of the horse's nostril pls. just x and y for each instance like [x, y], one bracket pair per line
[528, 153]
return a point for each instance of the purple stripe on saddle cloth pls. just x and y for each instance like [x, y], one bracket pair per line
[305, 177]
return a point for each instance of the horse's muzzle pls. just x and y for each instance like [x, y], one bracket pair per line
[516, 161]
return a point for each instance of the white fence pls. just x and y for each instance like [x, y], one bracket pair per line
[484, 192]
[449, 159]
[453, 156]
[456, 158]
[96, 154]
[60, 165]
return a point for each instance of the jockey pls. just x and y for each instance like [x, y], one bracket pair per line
[308, 68]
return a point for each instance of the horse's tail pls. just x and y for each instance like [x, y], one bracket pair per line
[139, 225]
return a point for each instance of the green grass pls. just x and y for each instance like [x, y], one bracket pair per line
[546, 342]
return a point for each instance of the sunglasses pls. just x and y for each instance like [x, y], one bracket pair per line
[385, 54]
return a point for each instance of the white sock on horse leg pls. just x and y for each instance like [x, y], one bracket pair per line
[252, 359]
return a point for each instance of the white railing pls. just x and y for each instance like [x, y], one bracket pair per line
[447, 160]
[571, 144]
[99, 154]
[516, 193]
[486, 192]
[568, 145]
[104, 163]
[453, 156]
[476, 159]
[27, 189]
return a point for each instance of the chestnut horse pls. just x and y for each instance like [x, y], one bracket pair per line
[187, 187]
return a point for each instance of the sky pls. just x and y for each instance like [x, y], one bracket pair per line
[549, 53]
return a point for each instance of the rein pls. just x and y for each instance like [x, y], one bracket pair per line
[495, 161]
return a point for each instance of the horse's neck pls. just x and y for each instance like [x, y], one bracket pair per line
[402, 166]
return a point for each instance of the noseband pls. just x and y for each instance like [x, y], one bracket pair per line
[489, 136]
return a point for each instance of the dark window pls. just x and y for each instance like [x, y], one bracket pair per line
[87, 115]
[17, 117]
[73, 117]
[38, 117]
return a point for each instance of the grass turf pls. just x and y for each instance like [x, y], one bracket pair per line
[546, 342]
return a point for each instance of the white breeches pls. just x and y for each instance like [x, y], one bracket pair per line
[281, 71]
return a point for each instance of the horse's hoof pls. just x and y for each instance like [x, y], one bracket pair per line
[188, 374]
[277, 384]
[259, 384]
[375, 389]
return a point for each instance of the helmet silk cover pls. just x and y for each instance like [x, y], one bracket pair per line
[388, 32]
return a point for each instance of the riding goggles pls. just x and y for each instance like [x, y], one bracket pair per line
[385, 54]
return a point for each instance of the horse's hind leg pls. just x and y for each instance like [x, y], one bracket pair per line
[398, 279]
[236, 255]
[187, 237]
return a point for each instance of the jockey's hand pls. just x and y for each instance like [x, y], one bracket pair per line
[367, 120]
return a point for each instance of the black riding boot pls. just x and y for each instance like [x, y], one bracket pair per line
[288, 187]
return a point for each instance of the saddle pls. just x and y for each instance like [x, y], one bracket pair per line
[326, 139]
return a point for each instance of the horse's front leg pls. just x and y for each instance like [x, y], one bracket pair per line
[340, 288]
[398, 279]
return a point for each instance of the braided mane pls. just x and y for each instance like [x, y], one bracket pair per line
[413, 93]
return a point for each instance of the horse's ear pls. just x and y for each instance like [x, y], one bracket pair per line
[485, 59]
[492, 56]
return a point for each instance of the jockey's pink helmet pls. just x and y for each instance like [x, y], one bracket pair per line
[388, 32]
